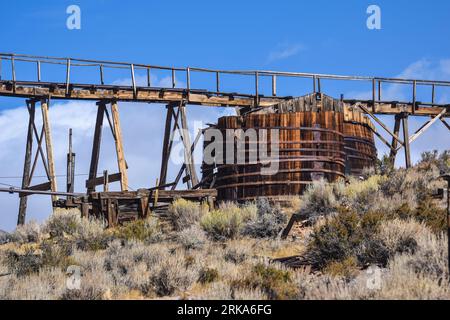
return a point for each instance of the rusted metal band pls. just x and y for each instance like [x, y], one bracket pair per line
[267, 183]
[360, 140]
[289, 128]
[293, 150]
[251, 174]
[360, 152]
[340, 161]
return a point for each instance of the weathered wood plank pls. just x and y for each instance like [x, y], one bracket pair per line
[96, 145]
[27, 164]
[92, 183]
[119, 147]
[49, 146]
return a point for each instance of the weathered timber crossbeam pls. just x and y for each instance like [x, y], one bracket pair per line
[100, 180]
[162, 194]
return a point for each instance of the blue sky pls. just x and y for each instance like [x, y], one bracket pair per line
[305, 36]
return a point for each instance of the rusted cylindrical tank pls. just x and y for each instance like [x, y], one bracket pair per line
[359, 142]
[310, 147]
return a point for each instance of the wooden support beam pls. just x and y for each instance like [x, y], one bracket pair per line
[96, 145]
[105, 181]
[27, 164]
[46, 186]
[445, 123]
[380, 123]
[166, 150]
[70, 170]
[119, 147]
[49, 146]
[394, 150]
[98, 181]
[426, 126]
[406, 139]
[189, 161]
[183, 167]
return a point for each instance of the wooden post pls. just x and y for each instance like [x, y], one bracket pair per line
[70, 167]
[119, 147]
[393, 153]
[406, 140]
[27, 164]
[166, 147]
[96, 144]
[105, 181]
[49, 147]
[187, 148]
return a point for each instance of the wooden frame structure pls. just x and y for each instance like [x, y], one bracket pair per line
[177, 99]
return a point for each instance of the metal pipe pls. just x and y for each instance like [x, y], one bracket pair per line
[67, 76]
[188, 79]
[39, 192]
[133, 80]
[433, 94]
[13, 69]
[274, 85]
[217, 82]
[174, 84]
[39, 71]
[101, 75]
[257, 88]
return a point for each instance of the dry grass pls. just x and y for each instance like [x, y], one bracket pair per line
[371, 239]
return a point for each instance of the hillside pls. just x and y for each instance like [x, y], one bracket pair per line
[377, 237]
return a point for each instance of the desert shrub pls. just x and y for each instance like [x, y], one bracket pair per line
[249, 294]
[146, 230]
[272, 279]
[208, 275]
[441, 161]
[23, 263]
[63, 222]
[132, 264]
[174, 273]
[318, 200]
[88, 234]
[94, 285]
[385, 166]
[347, 269]
[4, 237]
[346, 235]
[57, 255]
[27, 233]
[183, 213]
[192, 238]
[227, 221]
[48, 284]
[433, 216]
[269, 222]
[237, 253]
[217, 291]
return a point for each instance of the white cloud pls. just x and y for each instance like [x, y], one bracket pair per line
[284, 51]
